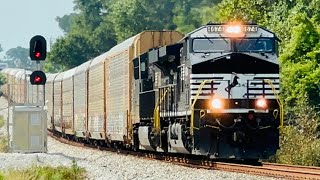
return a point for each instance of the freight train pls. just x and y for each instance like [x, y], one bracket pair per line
[212, 92]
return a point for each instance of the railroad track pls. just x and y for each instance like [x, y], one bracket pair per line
[264, 169]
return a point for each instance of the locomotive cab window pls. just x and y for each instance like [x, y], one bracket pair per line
[254, 45]
[205, 45]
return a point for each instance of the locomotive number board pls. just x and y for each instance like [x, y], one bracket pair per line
[223, 28]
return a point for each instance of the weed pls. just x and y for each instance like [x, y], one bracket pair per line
[50, 173]
[1, 121]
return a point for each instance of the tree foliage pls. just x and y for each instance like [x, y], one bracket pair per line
[300, 141]
[130, 17]
[300, 57]
[19, 57]
[243, 10]
[66, 21]
[98, 25]
[89, 36]
[2, 79]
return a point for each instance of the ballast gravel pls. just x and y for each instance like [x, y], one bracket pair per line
[110, 166]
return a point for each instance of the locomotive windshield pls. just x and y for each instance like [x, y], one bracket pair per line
[254, 45]
[211, 45]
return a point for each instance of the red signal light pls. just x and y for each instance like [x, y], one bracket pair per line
[37, 79]
[37, 54]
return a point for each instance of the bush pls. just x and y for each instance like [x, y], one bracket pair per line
[2, 80]
[299, 140]
[1, 121]
[3, 141]
[49, 173]
[3, 145]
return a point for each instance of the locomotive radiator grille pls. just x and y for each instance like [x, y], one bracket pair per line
[250, 86]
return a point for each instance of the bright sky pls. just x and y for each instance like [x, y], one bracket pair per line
[22, 19]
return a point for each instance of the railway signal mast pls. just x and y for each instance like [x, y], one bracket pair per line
[26, 122]
[38, 52]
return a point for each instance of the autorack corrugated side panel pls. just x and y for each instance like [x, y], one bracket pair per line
[80, 98]
[57, 88]
[96, 98]
[67, 101]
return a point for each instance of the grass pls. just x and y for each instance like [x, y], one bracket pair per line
[3, 145]
[1, 121]
[48, 173]
[3, 140]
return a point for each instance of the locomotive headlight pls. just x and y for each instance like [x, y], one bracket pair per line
[233, 29]
[216, 103]
[261, 103]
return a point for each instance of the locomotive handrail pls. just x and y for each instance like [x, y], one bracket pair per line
[156, 112]
[278, 100]
[193, 104]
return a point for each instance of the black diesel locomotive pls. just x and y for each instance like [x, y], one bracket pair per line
[214, 93]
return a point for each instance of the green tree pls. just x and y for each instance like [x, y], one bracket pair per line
[90, 35]
[300, 82]
[66, 21]
[70, 51]
[130, 17]
[190, 14]
[1, 48]
[244, 10]
[300, 56]
[19, 56]
[91, 12]
[99, 24]
[277, 20]
[304, 38]
[124, 17]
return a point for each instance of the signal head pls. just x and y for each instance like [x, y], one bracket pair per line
[38, 78]
[38, 48]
